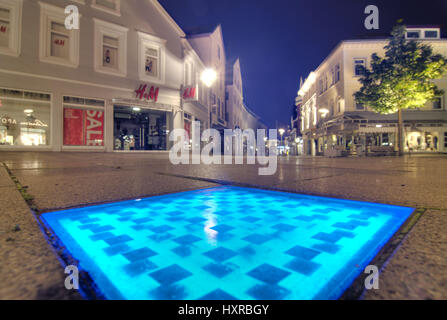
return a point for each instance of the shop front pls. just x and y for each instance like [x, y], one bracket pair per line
[138, 128]
[25, 118]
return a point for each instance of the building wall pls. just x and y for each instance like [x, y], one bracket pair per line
[339, 100]
[210, 47]
[28, 72]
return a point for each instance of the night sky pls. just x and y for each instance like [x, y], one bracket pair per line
[279, 41]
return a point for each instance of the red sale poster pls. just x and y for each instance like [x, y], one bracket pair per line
[94, 128]
[187, 127]
[73, 127]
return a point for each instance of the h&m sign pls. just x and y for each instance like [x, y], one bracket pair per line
[144, 93]
[190, 93]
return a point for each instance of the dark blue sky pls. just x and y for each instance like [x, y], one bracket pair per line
[278, 41]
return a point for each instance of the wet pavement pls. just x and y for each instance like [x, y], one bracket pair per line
[417, 270]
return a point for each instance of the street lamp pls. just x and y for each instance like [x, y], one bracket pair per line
[208, 77]
[281, 132]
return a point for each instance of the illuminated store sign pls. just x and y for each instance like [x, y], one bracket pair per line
[190, 94]
[143, 93]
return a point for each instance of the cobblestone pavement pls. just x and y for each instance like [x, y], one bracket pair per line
[417, 269]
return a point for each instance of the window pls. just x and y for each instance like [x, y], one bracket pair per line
[413, 34]
[359, 67]
[110, 48]
[339, 105]
[57, 44]
[359, 106]
[325, 82]
[445, 139]
[337, 73]
[320, 86]
[10, 26]
[24, 118]
[110, 6]
[437, 104]
[83, 122]
[431, 34]
[152, 58]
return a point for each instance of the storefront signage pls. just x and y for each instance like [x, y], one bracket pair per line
[94, 127]
[8, 121]
[190, 94]
[83, 127]
[36, 123]
[144, 93]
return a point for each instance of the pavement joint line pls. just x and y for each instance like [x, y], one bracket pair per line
[29, 199]
[262, 187]
[310, 179]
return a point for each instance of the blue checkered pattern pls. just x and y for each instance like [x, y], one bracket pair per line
[223, 243]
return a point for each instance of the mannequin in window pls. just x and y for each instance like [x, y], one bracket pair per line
[107, 59]
[148, 66]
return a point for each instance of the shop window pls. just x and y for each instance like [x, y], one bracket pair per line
[109, 6]
[359, 67]
[151, 58]
[110, 48]
[24, 118]
[140, 129]
[83, 122]
[57, 44]
[10, 26]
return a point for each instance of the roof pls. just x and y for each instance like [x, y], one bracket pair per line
[229, 69]
[200, 31]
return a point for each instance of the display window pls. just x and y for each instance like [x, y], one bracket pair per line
[83, 122]
[24, 118]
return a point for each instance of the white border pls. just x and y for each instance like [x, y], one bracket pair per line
[15, 7]
[102, 28]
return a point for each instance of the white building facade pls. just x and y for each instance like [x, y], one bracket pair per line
[121, 82]
[240, 116]
[333, 124]
[210, 48]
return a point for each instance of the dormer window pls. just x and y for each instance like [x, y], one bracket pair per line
[423, 33]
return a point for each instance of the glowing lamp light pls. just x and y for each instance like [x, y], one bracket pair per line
[323, 112]
[281, 131]
[28, 111]
[136, 109]
[379, 126]
[208, 77]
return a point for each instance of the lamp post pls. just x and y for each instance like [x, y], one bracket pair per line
[281, 132]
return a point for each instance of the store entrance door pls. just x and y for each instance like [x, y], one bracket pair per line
[137, 129]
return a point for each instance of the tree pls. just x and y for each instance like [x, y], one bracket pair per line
[403, 79]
